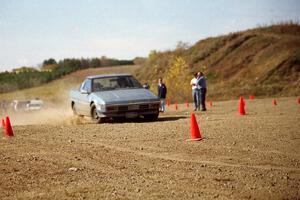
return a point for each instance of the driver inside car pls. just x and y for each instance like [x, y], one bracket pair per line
[97, 86]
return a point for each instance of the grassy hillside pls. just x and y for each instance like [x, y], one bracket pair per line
[57, 91]
[263, 62]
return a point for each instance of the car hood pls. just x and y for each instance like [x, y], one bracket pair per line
[126, 96]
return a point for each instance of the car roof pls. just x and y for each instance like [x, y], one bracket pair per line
[107, 75]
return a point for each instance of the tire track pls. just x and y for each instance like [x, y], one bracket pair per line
[179, 158]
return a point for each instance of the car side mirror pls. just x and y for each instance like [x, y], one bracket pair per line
[83, 91]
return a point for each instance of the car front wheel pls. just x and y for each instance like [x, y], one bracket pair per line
[94, 115]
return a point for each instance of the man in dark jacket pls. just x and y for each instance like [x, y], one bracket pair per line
[162, 93]
[202, 90]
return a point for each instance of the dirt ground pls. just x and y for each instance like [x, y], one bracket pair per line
[257, 156]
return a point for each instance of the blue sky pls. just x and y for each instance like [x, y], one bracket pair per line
[34, 30]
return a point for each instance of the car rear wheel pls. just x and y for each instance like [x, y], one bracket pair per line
[94, 115]
[75, 113]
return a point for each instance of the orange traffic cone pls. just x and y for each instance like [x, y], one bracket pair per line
[242, 106]
[8, 129]
[251, 97]
[186, 104]
[195, 132]
[210, 104]
[176, 106]
[168, 102]
[274, 102]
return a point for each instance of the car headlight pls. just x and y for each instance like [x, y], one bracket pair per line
[101, 107]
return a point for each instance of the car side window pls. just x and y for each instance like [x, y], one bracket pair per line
[81, 86]
[86, 86]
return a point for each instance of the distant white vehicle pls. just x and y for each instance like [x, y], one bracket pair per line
[34, 104]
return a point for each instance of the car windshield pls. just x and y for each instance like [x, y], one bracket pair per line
[116, 82]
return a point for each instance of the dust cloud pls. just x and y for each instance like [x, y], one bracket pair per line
[52, 113]
[56, 107]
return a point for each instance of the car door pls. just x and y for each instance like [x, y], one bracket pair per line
[83, 100]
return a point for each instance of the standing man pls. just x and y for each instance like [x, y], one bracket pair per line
[202, 88]
[162, 93]
[195, 91]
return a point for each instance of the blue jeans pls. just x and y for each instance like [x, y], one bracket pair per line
[202, 95]
[196, 97]
[162, 105]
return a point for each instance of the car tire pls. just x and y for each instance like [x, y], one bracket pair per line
[94, 115]
[74, 109]
[151, 117]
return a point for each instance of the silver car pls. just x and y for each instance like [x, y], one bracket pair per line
[114, 96]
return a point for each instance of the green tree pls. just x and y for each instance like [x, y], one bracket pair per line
[50, 61]
[95, 62]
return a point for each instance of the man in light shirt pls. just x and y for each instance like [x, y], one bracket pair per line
[195, 91]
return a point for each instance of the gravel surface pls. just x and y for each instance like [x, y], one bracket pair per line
[256, 156]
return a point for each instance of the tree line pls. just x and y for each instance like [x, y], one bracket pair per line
[26, 77]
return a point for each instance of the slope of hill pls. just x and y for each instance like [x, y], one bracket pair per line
[57, 91]
[262, 62]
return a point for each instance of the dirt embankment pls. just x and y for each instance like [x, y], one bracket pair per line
[264, 62]
[241, 157]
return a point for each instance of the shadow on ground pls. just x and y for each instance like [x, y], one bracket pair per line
[171, 118]
[141, 120]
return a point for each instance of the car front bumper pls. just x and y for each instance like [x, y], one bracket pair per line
[130, 110]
